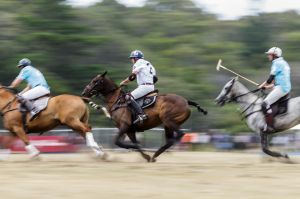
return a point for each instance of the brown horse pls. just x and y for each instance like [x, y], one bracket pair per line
[170, 110]
[66, 110]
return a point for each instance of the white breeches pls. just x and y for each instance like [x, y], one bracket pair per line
[142, 90]
[35, 92]
[274, 95]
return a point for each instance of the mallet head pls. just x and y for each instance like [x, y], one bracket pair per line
[219, 64]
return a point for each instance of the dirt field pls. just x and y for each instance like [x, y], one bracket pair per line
[182, 175]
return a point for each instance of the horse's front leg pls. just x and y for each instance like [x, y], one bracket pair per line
[171, 139]
[119, 141]
[132, 137]
[31, 149]
[265, 148]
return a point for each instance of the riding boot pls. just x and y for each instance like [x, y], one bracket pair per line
[140, 113]
[29, 107]
[269, 120]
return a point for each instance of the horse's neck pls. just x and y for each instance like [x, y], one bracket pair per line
[6, 98]
[112, 97]
[248, 99]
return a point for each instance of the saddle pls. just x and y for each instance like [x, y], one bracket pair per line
[39, 103]
[147, 100]
[144, 102]
[281, 106]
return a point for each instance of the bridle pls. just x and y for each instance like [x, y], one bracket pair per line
[8, 105]
[235, 99]
[115, 103]
[94, 92]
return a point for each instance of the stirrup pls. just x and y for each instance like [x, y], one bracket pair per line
[140, 119]
[33, 115]
[268, 129]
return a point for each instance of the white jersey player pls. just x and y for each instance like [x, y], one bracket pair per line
[145, 73]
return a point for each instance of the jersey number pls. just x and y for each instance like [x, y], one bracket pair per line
[151, 71]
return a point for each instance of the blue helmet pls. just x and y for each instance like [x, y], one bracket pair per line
[24, 62]
[136, 54]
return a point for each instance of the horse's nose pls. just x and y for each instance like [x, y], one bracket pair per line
[220, 101]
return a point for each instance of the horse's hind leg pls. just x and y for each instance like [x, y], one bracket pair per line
[170, 140]
[264, 143]
[85, 131]
[132, 137]
[31, 150]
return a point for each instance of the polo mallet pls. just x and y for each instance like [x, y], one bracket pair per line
[220, 66]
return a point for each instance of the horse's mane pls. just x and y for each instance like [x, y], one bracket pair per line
[10, 89]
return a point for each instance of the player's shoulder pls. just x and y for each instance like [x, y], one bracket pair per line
[26, 69]
[141, 62]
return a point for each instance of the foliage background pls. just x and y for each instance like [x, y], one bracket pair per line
[71, 45]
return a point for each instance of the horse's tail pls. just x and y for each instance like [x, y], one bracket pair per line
[96, 106]
[191, 103]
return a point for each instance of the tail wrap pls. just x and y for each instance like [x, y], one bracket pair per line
[191, 103]
[97, 106]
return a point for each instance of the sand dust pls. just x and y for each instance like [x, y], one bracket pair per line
[182, 175]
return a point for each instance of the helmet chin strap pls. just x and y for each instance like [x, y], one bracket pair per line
[274, 57]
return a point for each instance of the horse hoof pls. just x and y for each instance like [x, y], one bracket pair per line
[35, 158]
[102, 156]
[153, 160]
[147, 157]
[286, 156]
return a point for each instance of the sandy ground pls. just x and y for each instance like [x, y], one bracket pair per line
[182, 175]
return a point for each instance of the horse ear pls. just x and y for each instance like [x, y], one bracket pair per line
[104, 74]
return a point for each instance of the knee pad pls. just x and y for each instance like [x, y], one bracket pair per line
[128, 97]
[21, 99]
[265, 108]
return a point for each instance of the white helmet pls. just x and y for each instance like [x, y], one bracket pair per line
[275, 51]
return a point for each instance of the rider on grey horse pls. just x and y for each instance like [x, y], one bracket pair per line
[145, 74]
[37, 86]
[279, 81]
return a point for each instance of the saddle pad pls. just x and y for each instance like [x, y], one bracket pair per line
[146, 102]
[41, 103]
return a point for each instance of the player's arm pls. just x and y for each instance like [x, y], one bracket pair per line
[128, 79]
[16, 82]
[269, 83]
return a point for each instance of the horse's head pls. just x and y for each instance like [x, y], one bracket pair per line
[226, 93]
[101, 84]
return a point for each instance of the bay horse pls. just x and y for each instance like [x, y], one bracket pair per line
[170, 110]
[63, 109]
[250, 104]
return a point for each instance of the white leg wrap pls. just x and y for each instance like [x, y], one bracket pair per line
[32, 150]
[91, 143]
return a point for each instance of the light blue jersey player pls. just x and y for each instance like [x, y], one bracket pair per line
[279, 80]
[36, 85]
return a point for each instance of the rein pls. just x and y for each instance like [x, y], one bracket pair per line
[115, 103]
[250, 105]
[236, 97]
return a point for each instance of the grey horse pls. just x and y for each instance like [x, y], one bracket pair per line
[250, 104]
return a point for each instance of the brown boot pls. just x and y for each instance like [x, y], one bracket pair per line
[269, 121]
